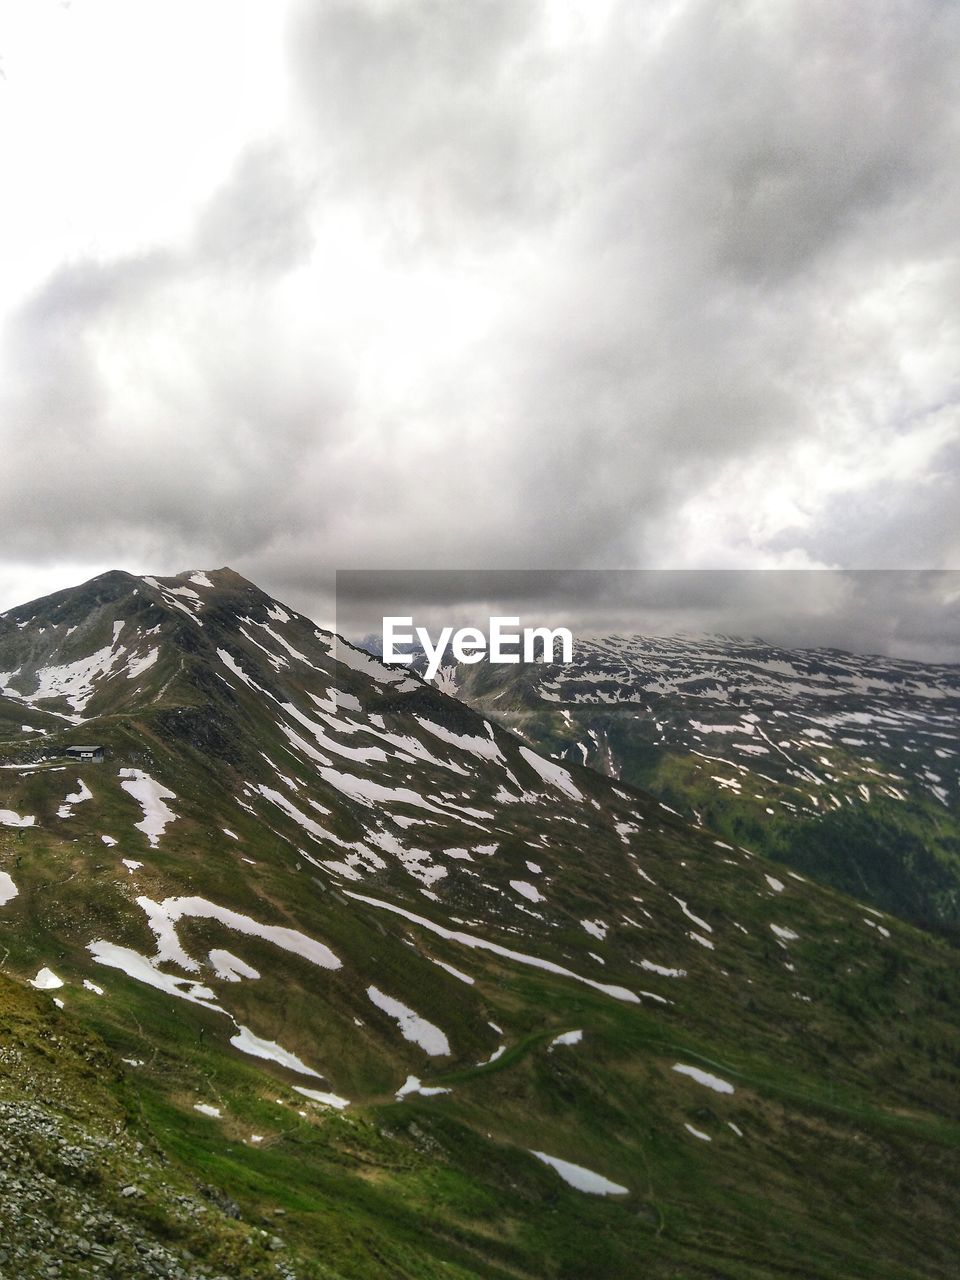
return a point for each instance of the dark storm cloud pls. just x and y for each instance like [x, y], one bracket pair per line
[674, 288]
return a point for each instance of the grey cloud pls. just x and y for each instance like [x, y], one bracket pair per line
[160, 455]
[259, 220]
[53, 386]
[432, 108]
[903, 518]
[708, 235]
[746, 151]
[774, 134]
[907, 614]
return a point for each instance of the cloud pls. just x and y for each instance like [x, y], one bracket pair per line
[258, 223]
[508, 284]
[428, 112]
[902, 613]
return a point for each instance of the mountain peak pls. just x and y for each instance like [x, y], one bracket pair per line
[121, 643]
[104, 588]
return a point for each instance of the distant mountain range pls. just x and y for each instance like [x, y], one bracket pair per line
[324, 973]
[844, 767]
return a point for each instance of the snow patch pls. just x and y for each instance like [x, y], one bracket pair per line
[230, 968]
[150, 795]
[326, 1099]
[412, 1027]
[10, 819]
[690, 916]
[137, 666]
[412, 1085]
[596, 928]
[163, 918]
[527, 890]
[704, 1078]
[484, 748]
[46, 980]
[8, 890]
[662, 969]
[248, 1043]
[143, 970]
[697, 1133]
[552, 774]
[568, 1037]
[456, 973]
[581, 1179]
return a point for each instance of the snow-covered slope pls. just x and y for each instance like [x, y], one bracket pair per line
[844, 766]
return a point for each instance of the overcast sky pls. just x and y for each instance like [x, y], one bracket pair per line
[479, 283]
[902, 613]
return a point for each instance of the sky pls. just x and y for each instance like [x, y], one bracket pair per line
[900, 613]
[567, 284]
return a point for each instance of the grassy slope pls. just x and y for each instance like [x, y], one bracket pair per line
[844, 1109]
[903, 857]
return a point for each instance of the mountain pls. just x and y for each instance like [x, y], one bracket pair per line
[843, 767]
[324, 957]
